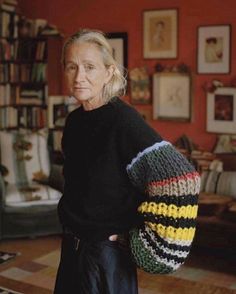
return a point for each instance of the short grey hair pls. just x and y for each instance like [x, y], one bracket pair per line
[117, 84]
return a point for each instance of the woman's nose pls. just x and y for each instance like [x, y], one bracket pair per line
[80, 74]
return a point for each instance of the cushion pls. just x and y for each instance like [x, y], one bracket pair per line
[223, 183]
[25, 155]
[31, 195]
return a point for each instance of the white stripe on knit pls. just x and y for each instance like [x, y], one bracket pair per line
[156, 146]
[170, 263]
[178, 253]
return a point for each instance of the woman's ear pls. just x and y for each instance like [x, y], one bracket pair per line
[110, 72]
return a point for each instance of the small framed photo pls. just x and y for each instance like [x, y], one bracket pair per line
[57, 111]
[221, 111]
[119, 44]
[172, 96]
[140, 89]
[160, 29]
[214, 49]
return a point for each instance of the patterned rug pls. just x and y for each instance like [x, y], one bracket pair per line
[8, 291]
[41, 272]
[6, 256]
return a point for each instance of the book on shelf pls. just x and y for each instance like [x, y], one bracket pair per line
[8, 7]
[31, 27]
[9, 24]
[14, 73]
[8, 117]
[31, 96]
[31, 117]
[50, 30]
[12, 2]
[4, 72]
[39, 72]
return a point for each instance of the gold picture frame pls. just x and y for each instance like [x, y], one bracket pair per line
[160, 30]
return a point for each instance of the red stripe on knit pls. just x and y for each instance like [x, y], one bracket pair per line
[175, 179]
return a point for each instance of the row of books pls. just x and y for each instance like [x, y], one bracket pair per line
[9, 73]
[8, 117]
[9, 5]
[36, 72]
[23, 49]
[26, 117]
[10, 95]
[36, 27]
[24, 73]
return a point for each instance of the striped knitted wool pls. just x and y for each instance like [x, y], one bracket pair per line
[169, 214]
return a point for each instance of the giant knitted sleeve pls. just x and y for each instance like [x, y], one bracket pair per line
[170, 209]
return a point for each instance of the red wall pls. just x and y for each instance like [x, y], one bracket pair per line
[126, 15]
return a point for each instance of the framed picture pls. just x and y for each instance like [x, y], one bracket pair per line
[221, 111]
[172, 96]
[119, 44]
[160, 28]
[57, 111]
[140, 91]
[214, 49]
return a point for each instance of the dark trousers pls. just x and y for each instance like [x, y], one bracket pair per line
[103, 267]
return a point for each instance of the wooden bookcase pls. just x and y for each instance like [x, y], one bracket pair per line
[29, 71]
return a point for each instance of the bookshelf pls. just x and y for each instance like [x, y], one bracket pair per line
[29, 70]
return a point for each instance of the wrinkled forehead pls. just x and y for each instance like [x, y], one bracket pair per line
[84, 51]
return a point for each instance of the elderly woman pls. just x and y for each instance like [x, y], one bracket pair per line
[130, 199]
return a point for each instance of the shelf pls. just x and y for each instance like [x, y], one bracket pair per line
[26, 61]
[7, 11]
[44, 106]
[25, 83]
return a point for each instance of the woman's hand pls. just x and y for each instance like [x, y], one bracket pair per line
[113, 237]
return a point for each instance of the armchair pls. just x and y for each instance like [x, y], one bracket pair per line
[30, 187]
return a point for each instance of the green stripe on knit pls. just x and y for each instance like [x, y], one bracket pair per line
[144, 258]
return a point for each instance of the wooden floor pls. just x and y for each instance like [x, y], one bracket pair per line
[149, 284]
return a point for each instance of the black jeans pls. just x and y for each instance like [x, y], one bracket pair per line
[103, 267]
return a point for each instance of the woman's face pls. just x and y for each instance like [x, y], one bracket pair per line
[85, 73]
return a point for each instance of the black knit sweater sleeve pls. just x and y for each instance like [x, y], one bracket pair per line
[171, 184]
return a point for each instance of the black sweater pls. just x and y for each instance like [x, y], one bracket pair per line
[99, 199]
[121, 176]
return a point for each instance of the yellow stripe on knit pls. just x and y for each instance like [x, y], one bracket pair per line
[171, 210]
[180, 234]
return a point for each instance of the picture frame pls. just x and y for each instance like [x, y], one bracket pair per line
[140, 86]
[172, 96]
[160, 33]
[119, 44]
[221, 111]
[57, 111]
[214, 49]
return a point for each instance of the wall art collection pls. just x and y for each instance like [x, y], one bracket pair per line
[170, 90]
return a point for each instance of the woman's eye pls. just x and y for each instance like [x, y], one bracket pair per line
[71, 68]
[89, 67]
